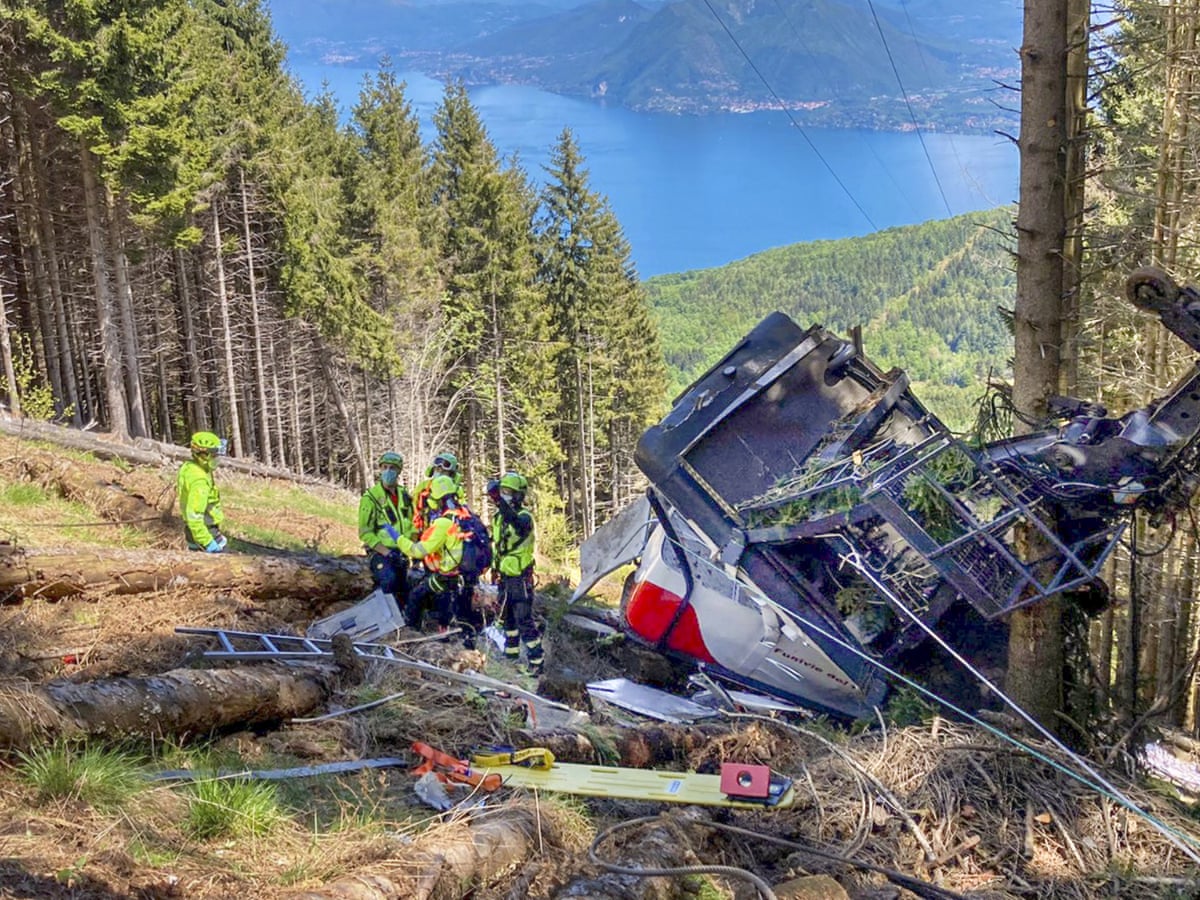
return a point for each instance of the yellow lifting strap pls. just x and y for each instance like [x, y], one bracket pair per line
[531, 757]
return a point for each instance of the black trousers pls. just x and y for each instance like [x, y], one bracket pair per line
[390, 574]
[516, 599]
[434, 592]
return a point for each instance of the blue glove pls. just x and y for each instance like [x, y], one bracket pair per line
[222, 541]
[391, 532]
[213, 547]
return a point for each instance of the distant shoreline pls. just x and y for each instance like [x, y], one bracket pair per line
[885, 114]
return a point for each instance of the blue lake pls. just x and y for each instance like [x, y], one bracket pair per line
[695, 192]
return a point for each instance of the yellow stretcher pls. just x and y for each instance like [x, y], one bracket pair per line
[639, 784]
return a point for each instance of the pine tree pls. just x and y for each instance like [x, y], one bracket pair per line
[595, 302]
[491, 316]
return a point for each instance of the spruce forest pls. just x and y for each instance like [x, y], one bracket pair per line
[186, 243]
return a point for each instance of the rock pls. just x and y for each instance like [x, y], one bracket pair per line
[810, 887]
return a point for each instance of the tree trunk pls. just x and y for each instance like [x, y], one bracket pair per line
[57, 573]
[128, 323]
[28, 223]
[110, 339]
[231, 383]
[260, 374]
[1035, 658]
[6, 355]
[294, 387]
[339, 400]
[183, 702]
[1078, 30]
[61, 325]
[196, 408]
[280, 456]
[145, 451]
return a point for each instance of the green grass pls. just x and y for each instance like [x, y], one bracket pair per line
[314, 507]
[146, 852]
[103, 778]
[36, 517]
[23, 493]
[230, 807]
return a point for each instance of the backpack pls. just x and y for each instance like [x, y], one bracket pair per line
[476, 541]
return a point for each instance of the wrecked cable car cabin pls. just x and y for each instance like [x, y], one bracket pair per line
[811, 529]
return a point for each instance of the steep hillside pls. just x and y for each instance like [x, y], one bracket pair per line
[320, 801]
[927, 297]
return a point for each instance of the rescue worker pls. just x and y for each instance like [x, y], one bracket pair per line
[512, 566]
[440, 551]
[445, 463]
[199, 499]
[385, 512]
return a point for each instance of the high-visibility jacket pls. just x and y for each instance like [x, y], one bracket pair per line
[421, 516]
[440, 548]
[512, 537]
[199, 503]
[378, 510]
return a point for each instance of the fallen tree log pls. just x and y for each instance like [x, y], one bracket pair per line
[639, 748]
[108, 498]
[58, 573]
[181, 702]
[137, 450]
[464, 857]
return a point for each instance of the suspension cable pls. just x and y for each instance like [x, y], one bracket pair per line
[792, 118]
[911, 114]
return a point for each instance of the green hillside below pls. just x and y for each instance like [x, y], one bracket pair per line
[928, 298]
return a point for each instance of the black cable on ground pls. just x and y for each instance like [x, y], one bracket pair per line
[916, 885]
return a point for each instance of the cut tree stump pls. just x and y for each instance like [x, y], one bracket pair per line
[181, 702]
[58, 573]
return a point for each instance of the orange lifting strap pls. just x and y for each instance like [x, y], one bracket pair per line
[451, 769]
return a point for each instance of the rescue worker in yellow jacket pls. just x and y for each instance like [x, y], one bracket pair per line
[385, 513]
[439, 548]
[512, 566]
[199, 499]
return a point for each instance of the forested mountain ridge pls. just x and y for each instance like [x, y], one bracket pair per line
[833, 63]
[927, 296]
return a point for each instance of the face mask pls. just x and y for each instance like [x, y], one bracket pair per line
[389, 477]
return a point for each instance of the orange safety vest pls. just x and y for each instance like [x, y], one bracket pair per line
[443, 556]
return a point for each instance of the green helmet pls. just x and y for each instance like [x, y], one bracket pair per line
[441, 487]
[391, 458]
[444, 462]
[514, 482]
[206, 440]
